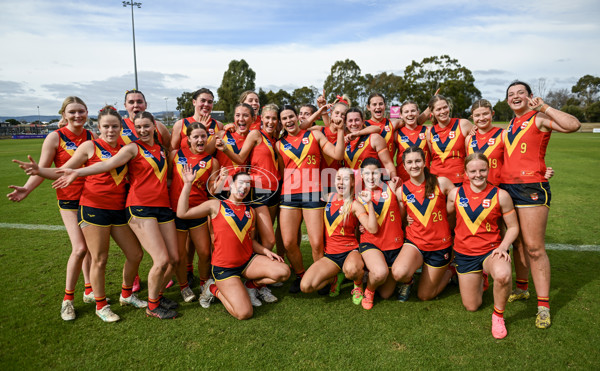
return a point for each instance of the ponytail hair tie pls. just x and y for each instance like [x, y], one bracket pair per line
[341, 99]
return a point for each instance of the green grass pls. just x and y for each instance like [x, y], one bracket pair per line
[301, 331]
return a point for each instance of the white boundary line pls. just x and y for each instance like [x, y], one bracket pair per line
[44, 227]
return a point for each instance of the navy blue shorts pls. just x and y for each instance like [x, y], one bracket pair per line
[221, 273]
[87, 215]
[161, 214]
[468, 263]
[529, 194]
[187, 224]
[389, 255]
[435, 259]
[302, 201]
[68, 204]
[340, 258]
[265, 197]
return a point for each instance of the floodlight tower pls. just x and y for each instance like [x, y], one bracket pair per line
[139, 5]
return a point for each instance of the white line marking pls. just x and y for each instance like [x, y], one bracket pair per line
[44, 227]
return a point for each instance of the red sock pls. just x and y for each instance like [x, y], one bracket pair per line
[190, 267]
[88, 288]
[100, 302]
[251, 284]
[184, 285]
[300, 274]
[214, 290]
[543, 302]
[153, 303]
[358, 283]
[126, 291]
[523, 284]
[499, 312]
[69, 294]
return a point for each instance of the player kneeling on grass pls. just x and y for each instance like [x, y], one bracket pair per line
[478, 245]
[342, 215]
[236, 253]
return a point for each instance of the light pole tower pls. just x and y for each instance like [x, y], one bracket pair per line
[139, 5]
[167, 110]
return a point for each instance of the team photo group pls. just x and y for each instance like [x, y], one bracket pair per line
[394, 205]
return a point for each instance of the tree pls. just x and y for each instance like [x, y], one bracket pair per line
[262, 97]
[345, 78]
[587, 89]
[280, 98]
[238, 78]
[13, 122]
[185, 105]
[557, 98]
[388, 85]
[304, 95]
[575, 111]
[422, 79]
[542, 88]
[502, 111]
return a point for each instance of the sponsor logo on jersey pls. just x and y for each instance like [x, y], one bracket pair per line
[436, 138]
[229, 212]
[411, 198]
[247, 213]
[105, 154]
[463, 202]
[182, 161]
[70, 145]
[287, 147]
[486, 203]
[534, 196]
[404, 139]
[211, 131]
[147, 153]
[230, 141]
[202, 164]
[491, 141]
[127, 132]
[304, 140]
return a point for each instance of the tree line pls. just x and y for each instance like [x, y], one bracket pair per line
[419, 81]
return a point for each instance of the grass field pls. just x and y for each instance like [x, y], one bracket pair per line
[301, 331]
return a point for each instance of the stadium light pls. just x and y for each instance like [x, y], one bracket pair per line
[139, 5]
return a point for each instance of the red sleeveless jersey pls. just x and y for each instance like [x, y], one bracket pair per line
[257, 124]
[264, 165]
[233, 238]
[106, 190]
[128, 133]
[429, 230]
[448, 151]
[390, 235]
[301, 155]
[203, 164]
[234, 142]
[492, 146]
[339, 228]
[67, 144]
[477, 215]
[148, 177]
[211, 129]
[387, 132]
[524, 152]
[406, 138]
[358, 150]
[329, 166]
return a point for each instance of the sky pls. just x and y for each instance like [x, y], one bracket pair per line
[53, 49]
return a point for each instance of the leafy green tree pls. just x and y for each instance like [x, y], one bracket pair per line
[587, 89]
[13, 122]
[262, 97]
[345, 78]
[185, 105]
[502, 111]
[279, 98]
[388, 85]
[593, 112]
[304, 95]
[238, 78]
[455, 81]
